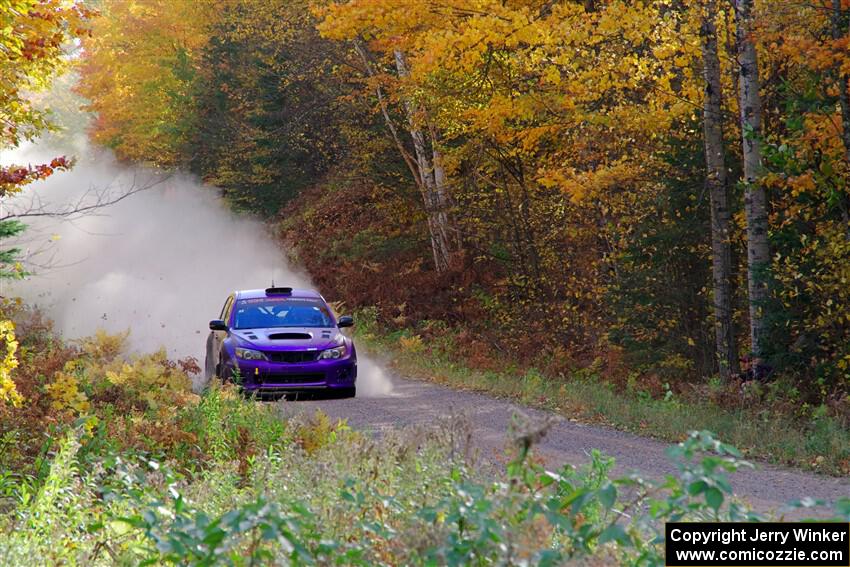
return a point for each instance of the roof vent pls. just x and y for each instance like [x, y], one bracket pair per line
[278, 290]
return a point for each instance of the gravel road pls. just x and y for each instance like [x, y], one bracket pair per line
[412, 402]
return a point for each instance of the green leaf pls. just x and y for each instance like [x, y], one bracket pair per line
[607, 495]
[615, 532]
[714, 497]
[697, 487]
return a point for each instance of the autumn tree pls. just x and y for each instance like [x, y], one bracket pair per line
[137, 69]
[353, 22]
[546, 117]
[269, 114]
[33, 35]
[806, 171]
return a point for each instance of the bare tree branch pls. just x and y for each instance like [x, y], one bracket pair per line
[88, 203]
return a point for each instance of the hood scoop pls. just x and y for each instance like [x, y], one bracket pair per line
[290, 336]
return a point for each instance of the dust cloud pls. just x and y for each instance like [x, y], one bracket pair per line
[160, 262]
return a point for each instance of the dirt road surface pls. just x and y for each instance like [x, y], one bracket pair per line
[412, 402]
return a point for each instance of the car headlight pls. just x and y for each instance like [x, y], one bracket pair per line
[248, 354]
[333, 353]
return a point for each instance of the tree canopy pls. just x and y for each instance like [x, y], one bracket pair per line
[547, 158]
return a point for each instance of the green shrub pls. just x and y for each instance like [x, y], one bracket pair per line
[407, 498]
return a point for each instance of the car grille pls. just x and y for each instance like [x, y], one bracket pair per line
[292, 357]
[292, 378]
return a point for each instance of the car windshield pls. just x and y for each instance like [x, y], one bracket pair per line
[281, 312]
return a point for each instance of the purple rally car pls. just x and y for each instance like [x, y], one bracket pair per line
[281, 340]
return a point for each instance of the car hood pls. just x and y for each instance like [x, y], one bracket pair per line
[289, 338]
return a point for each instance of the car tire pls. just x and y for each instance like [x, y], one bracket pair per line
[225, 374]
[344, 393]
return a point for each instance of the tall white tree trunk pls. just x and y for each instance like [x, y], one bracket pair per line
[441, 184]
[716, 184]
[433, 179]
[755, 200]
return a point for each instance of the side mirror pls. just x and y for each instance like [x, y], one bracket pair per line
[345, 321]
[217, 325]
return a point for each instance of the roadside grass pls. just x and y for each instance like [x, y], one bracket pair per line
[820, 444]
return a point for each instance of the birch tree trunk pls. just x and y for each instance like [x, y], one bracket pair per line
[432, 175]
[716, 184]
[755, 200]
[441, 186]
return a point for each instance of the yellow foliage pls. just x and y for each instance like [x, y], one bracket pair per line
[150, 381]
[412, 344]
[318, 432]
[585, 71]
[150, 378]
[31, 54]
[103, 346]
[65, 391]
[137, 66]
[8, 391]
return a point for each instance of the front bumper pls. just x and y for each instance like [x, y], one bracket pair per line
[261, 375]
